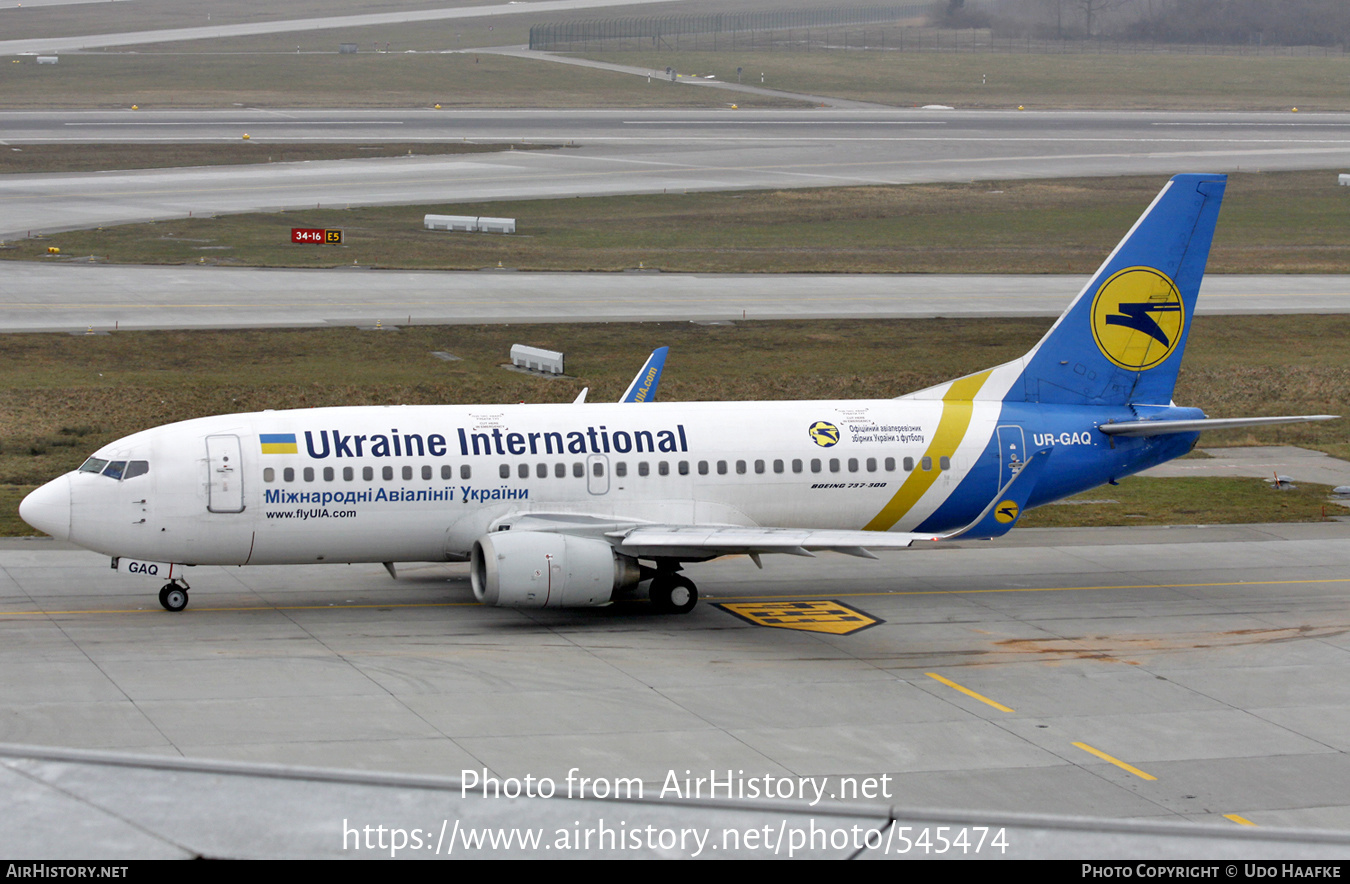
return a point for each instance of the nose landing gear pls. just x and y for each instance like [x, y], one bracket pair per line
[174, 595]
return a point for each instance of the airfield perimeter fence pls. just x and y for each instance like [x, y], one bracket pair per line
[892, 29]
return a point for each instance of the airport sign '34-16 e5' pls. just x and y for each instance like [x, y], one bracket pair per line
[316, 235]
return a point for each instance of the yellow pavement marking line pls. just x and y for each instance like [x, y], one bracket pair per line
[968, 692]
[1240, 820]
[1045, 589]
[957, 408]
[727, 598]
[1116, 761]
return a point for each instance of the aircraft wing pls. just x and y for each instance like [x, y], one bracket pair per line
[1164, 427]
[695, 542]
[691, 542]
[643, 387]
[647, 540]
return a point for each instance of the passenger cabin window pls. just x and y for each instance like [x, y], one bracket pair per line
[368, 474]
[288, 474]
[269, 475]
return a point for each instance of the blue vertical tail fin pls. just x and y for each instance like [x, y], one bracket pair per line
[1121, 340]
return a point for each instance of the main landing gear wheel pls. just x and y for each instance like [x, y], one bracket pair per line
[673, 594]
[173, 597]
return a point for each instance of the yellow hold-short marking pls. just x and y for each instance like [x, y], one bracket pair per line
[812, 616]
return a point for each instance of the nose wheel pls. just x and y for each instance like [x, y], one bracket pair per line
[173, 596]
[673, 594]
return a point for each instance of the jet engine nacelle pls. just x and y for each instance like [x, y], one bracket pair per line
[536, 569]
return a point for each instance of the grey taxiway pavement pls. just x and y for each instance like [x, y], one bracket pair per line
[615, 152]
[1189, 674]
[83, 297]
[1155, 674]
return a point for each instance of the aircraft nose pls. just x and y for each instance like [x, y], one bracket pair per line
[48, 508]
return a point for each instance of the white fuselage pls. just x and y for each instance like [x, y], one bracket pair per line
[420, 483]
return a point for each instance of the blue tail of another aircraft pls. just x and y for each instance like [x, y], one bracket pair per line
[1121, 341]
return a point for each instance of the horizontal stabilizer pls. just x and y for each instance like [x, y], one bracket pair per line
[1165, 427]
[1008, 505]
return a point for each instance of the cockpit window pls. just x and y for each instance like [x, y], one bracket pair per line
[116, 469]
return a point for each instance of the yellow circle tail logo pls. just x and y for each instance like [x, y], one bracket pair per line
[1138, 318]
[1006, 512]
[823, 433]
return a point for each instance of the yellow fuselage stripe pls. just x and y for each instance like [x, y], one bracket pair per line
[957, 409]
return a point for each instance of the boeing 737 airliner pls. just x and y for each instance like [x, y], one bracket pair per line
[579, 504]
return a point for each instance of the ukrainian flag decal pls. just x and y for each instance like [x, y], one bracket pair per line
[278, 443]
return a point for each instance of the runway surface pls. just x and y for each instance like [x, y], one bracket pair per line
[174, 35]
[81, 297]
[618, 152]
[1179, 674]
